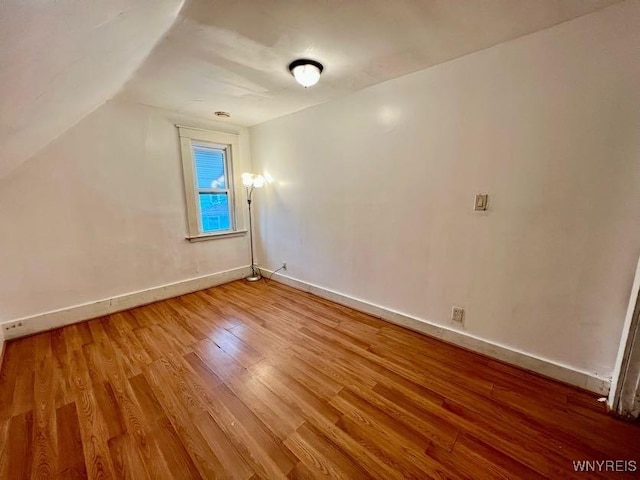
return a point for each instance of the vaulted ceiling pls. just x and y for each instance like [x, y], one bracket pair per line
[59, 60]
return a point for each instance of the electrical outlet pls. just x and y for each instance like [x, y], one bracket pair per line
[457, 315]
[8, 327]
[284, 265]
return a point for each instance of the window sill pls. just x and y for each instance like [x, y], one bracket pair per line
[215, 236]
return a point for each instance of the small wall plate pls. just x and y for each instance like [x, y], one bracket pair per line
[481, 202]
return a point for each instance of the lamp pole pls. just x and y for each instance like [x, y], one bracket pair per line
[255, 274]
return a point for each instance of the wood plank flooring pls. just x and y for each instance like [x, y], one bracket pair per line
[256, 380]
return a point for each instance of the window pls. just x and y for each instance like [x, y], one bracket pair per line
[210, 161]
[207, 162]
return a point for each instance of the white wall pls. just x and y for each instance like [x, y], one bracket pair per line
[372, 194]
[101, 212]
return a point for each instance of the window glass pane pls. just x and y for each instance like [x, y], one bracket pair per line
[209, 163]
[214, 212]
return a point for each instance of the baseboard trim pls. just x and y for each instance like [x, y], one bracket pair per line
[78, 313]
[503, 353]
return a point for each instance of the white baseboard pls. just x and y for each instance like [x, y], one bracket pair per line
[520, 359]
[78, 313]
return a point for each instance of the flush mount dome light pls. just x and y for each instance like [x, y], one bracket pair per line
[306, 72]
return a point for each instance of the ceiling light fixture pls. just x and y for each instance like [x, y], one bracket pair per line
[306, 72]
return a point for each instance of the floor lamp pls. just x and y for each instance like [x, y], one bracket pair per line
[252, 181]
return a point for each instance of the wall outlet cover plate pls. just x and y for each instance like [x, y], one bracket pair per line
[457, 315]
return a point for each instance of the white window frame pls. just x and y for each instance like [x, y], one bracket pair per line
[230, 144]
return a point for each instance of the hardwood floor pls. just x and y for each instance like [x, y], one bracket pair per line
[262, 381]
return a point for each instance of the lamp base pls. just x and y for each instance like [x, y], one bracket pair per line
[254, 276]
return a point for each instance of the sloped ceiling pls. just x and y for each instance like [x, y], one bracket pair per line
[59, 60]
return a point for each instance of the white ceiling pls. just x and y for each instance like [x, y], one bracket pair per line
[233, 56]
[59, 60]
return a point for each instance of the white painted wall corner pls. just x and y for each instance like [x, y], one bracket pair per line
[78, 313]
[2, 345]
[506, 354]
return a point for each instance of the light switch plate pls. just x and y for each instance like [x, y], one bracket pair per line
[481, 202]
